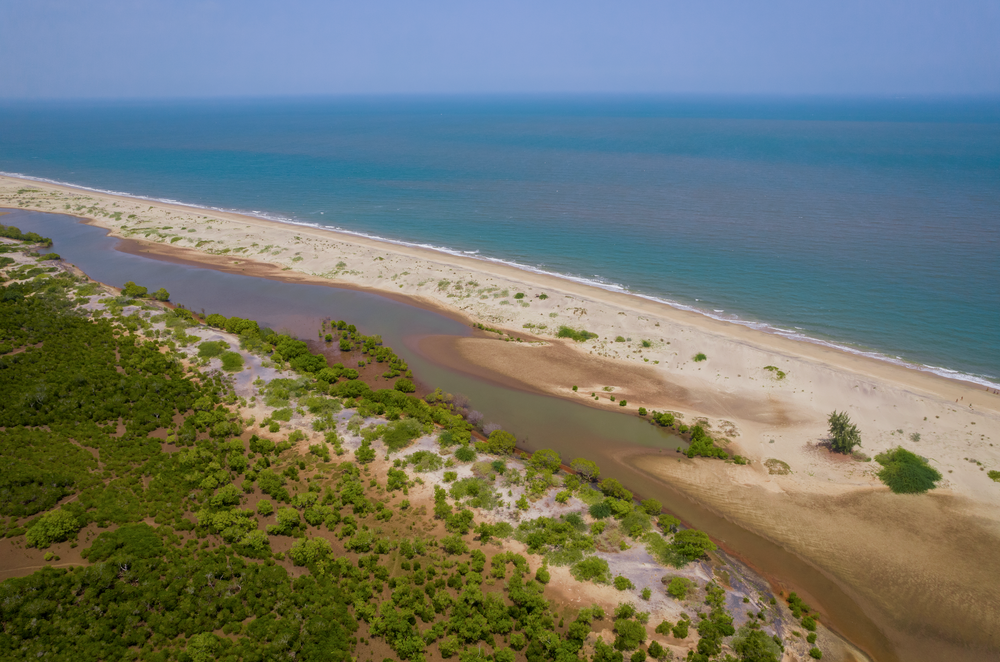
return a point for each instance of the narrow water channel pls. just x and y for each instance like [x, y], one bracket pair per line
[616, 442]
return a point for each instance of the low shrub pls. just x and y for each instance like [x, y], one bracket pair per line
[905, 472]
[465, 454]
[678, 587]
[699, 357]
[591, 569]
[579, 335]
[232, 362]
[623, 583]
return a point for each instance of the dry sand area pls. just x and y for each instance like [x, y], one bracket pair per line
[925, 568]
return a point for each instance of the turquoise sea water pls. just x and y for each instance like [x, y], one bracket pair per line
[873, 225]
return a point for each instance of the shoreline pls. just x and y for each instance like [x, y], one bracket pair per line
[731, 388]
[444, 253]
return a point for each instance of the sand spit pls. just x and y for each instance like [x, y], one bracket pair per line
[919, 565]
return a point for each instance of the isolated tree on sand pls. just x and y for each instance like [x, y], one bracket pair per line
[845, 435]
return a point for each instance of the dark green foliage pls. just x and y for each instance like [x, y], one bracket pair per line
[754, 645]
[613, 488]
[11, 232]
[579, 335]
[182, 597]
[546, 459]
[423, 461]
[38, 468]
[797, 606]
[718, 625]
[844, 435]
[126, 544]
[501, 443]
[629, 633]
[691, 544]
[587, 469]
[651, 507]
[401, 434]
[564, 541]
[703, 446]
[212, 348]
[465, 454]
[232, 362]
[678, 587]
[905, 472]
[699, 357]
[405, 386]
[815, 653]
[542, 575]
[623, 583]
[53, 526]
[134, 291]
[600, 510]
[592, 569]
[663, 419]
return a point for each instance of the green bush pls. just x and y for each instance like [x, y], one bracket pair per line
[232, 362]
[680, 631]
[905, 472]
[125, 544]
[994, 475]
[702, 445]
[620, 339]
[465, 454]
[699, 357]
[134, 291]
[543, 575]
[501, 442]
[401, 434]
[53, 526]
[815, 653]
[591, 569]
[623, 583]
[579, 335]
[587, 469]
[212, 348]
[404, 385]
[844, 434]
[629, 634]
[678, 587]
[424, 461]
[691, 544]
[651, 507]
[600, 510]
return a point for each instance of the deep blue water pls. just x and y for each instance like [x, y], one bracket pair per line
[869, 223]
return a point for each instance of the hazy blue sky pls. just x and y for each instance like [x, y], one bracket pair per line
[142, 48]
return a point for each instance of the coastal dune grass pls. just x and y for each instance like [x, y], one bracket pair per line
[579, 335]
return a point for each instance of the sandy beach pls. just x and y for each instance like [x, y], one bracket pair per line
[923, 566]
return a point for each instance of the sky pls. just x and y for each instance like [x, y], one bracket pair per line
[64, 49]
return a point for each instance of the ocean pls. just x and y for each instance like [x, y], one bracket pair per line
[870, 224]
